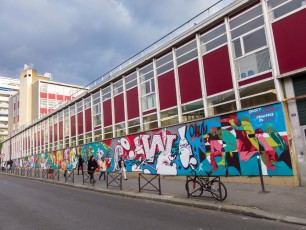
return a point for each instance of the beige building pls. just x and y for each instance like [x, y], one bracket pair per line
[38, 96]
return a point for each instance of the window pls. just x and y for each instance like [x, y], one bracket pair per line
[96, 112]
[187, 53]
[213, 39]
[43, 102]
[43, 87]
[80, 106]
[106, 93]
[131, 80]
[134, 125]
[108, 132]
[150, 122]
[120, 129]
[87, 102]
[258, 94]
[169, 117]
[221, 103]
[193, 110]
[72, 110]
[147, 87]
[98, 135]
[249, 43]
[118, 87]
[164, 64]
[279, 8]
[66, 123]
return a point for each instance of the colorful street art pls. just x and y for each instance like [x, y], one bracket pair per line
[226, 145]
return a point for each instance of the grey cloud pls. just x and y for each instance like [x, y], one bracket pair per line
[78, 41]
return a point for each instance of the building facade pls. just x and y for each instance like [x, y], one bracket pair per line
[38, 96]
[241, 68]
[8, 88]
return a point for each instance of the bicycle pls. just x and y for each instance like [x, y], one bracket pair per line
[197, 184]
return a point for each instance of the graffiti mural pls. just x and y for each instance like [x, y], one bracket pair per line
[226, 145]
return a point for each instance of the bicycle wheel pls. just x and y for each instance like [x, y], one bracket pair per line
[194, 188]
[218, 190]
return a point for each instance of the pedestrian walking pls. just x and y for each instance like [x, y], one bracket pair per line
[80, 164]
[122, 167]
[92, 166]
[102, 168]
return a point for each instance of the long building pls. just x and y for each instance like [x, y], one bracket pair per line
[228, 89]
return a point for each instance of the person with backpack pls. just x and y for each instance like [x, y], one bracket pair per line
[122, 167]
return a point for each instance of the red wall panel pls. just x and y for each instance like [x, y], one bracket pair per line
[217, 71]
[190, 83]
[107, 113]
[254, 79]
[72, 126]
[51, 96]
[132, 103]
[60, 97]
[290, 36]
[50, 135]
[88, 118]
[55, 132]
[119, 108]
[167, 92]
[43, 95]
[61, 131]
[80, 123]
[42, 137]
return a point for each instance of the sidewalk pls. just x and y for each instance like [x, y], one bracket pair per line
[286, 204]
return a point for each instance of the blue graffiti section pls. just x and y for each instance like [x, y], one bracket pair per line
[226, 145]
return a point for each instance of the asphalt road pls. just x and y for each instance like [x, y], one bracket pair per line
[29, 204]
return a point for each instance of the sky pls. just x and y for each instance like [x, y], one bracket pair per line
[78, 41]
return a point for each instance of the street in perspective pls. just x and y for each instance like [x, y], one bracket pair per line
[29, 204]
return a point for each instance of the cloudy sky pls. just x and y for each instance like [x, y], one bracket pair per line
[77, 40]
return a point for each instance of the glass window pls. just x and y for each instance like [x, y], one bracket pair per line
[213, 39]
[118, 87]
[193, 110]
[187, 53]
[147, 87]
[80, 106]
[96, 115]
[279, 8]
[106, 93]
[131, 80]
[258, 94]
[108, 132]
[254, 40]
[120, 129]
[72, 110]
[87, 102]
[134, 125]
[164, 63]
[245, 17]
[169, 117]
[98, 135]
[150, 121]
[43, 87]
[249, 42]
[96, 98]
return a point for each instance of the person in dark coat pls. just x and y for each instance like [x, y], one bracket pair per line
[92, 166]
[80, 164]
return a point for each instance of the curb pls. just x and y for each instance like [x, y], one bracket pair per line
[230, 208]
